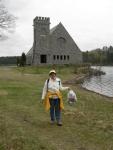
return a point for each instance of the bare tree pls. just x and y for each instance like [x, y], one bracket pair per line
[7, 21]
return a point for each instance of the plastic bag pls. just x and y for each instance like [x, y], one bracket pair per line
[71, 97]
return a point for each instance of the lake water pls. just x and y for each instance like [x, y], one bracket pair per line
[101, 84]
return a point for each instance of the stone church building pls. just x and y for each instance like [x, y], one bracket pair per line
[52, 46]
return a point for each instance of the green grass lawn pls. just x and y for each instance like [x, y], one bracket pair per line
[25, 125]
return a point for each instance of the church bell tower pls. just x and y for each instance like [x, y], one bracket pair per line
[41, 31]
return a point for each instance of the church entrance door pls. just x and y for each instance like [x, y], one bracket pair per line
[43, 59]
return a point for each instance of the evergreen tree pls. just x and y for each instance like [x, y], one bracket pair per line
[23, 60]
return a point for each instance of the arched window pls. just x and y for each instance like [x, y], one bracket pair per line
[61, 42]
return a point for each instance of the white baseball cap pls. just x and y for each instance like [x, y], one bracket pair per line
[52, 71]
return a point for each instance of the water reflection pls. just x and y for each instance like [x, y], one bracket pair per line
[101, 84]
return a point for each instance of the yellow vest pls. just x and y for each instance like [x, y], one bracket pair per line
[48, 95]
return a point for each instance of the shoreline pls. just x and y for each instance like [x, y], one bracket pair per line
[78, 80]
[110, 98]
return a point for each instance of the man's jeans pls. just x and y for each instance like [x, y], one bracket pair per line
[55, 111]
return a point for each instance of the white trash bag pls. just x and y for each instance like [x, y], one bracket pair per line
[71, 97]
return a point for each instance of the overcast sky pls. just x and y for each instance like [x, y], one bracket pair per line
[89, 22]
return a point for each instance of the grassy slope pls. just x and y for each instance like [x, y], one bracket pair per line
[24, 124]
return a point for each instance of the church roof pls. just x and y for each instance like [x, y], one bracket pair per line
[54, 28]
[30, 51]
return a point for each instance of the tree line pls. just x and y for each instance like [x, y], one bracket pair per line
[14, 60]
[99, 56]
[9, 60]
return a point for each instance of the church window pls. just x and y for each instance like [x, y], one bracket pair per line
[57, 57]
[54, 57]
[64, 57]
[61, 42]
[68, 57]
[61, 57]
